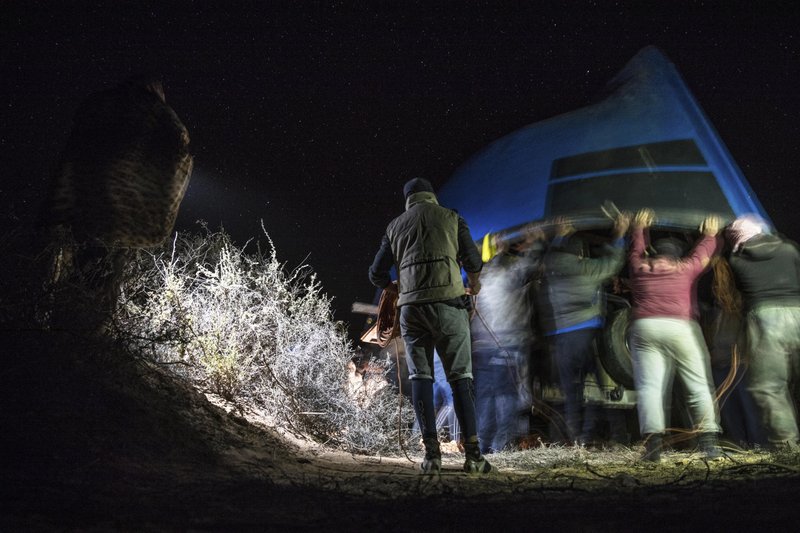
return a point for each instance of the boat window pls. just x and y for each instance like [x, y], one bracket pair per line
[652, 155]
[690, 191]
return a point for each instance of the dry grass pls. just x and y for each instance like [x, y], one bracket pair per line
[622, 467]
[238, 324]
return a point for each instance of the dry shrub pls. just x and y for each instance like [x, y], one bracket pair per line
[239, 325]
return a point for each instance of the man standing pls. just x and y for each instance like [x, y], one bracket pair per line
[665, 337]
[429, 244]
[572, 313]
[766, 269]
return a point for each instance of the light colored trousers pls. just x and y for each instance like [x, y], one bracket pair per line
[773, 345]
[661, 348]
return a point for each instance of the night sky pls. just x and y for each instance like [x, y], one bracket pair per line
[312, 118]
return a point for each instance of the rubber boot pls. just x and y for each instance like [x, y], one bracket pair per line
[422, 396]
[475, 463]
[464, 405]
[709, 445]
[653, 444]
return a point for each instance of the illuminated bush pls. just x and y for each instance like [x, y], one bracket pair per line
[239, 325]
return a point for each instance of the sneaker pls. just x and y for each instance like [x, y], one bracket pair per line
[477, 466]
[432, 465]
[475, 462]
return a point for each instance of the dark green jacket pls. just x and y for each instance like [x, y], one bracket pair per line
[572, 288]
[426, 244]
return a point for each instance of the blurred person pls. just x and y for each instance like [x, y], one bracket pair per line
[572, 313]
[446, 418]
[501, 346]
[723, 326]
[665, 336]
[429, 244]
[766, 269]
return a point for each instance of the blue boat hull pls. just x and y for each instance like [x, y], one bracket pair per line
[647, 144]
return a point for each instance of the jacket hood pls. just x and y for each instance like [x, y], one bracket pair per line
[420, 197]
[761, 247]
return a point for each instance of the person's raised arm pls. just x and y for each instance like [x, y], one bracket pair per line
[641, 221]
[621, 225]
[708, 244]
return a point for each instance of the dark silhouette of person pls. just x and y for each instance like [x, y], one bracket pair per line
[665, 336]
[766, 268]
[572, 311]
[429, 244]
[502, 337]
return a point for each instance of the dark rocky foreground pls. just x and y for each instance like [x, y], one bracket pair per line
[94, 441]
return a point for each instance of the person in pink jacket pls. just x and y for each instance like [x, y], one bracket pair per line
[665, 337]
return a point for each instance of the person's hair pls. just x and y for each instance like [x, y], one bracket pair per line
[744, 228]
[670, 246]
[724, 287]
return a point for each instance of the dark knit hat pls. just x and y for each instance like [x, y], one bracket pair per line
[417, 185]
[670, 246]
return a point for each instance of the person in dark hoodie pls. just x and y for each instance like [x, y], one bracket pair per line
[429, 244]
[766, 268]
[572, 312]
[665, 336]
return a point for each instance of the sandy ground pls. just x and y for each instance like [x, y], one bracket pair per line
[94, 443]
